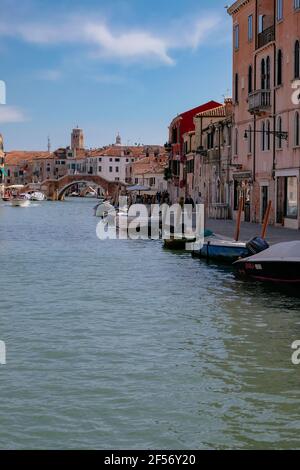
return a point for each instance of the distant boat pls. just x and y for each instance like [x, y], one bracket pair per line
[37, 196]
[280, 264]
[20, 202]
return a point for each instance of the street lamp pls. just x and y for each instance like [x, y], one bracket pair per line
[279, 134]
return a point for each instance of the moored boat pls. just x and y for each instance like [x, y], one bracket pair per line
[280, 264]
[229, 251]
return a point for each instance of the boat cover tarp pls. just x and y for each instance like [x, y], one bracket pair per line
[287, 251]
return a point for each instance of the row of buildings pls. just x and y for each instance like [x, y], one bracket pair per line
[116, 163]
[248, 146]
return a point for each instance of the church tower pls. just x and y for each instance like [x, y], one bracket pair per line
[77, 139]
[118, 139]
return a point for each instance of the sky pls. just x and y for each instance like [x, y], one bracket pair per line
[108, 66]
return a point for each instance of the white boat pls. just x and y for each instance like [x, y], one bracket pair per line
[20, 202]
[37, 196]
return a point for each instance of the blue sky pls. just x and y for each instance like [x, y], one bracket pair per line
[108, 66]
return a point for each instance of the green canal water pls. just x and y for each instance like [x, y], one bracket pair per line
[120, 344]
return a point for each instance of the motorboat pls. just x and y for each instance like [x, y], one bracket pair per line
[20, 201]
[280, 264]
[226, 250]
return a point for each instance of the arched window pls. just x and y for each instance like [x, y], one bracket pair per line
[268, 73]
[263, 136]
[279, 129]
[263, 74]
[297, 130]
[250, 139]
[279, 67]
[268, 136]
[250, 79]
[297, 59]
[236, 88]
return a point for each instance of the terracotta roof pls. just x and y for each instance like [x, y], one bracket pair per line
[16, 157]
[219, 111]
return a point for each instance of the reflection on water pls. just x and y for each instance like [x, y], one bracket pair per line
[121, 344]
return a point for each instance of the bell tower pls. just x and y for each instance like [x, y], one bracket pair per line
[77, 139]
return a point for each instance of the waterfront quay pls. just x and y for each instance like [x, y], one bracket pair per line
[249, 230]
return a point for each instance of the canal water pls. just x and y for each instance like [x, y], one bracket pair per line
[120, 344]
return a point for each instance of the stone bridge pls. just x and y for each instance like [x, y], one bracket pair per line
[56, 189]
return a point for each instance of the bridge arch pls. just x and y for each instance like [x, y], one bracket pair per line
[56, 189]
[62, 191]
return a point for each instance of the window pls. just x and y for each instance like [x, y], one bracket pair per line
[263, 136]
[279, 10]
[236, 88]
[296, 4]
[268, 136]
[236, 36]
[279, 67]
[117, 169]
[250, 79]
[190, 166]
[261, 23]
[100, 169]
[236, 142]
[296, 130]
[263, 74]
[250, 28]
[291, 197]
[297, 59]
[100, 160]
[279, 129]
[268, 73]
[117, 159]
[250, 140]
[110, 169]
[110, 159]
[210, 140]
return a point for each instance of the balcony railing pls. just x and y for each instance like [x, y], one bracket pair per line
[259, 101]
[268, 35]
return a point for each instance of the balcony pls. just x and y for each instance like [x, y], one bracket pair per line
[268, 35]
[259, 101]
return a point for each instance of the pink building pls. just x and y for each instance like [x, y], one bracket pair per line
[266, 127]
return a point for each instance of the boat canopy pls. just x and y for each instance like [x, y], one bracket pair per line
[287, 251]
[15, 186]
[138, 188]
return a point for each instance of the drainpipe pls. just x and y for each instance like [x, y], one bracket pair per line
[274, 96]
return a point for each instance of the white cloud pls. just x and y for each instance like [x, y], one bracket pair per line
[126, 44]
[9, 114]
